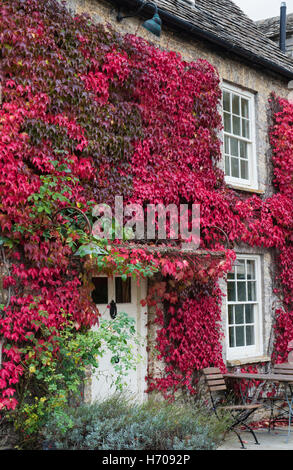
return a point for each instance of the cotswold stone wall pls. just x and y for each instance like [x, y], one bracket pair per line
[233, 71]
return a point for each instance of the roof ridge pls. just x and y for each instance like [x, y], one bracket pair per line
[272, 19]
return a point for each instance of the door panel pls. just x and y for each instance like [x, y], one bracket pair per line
[128, 299]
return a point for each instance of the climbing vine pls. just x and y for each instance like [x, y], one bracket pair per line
[281, 205]
[88, 115]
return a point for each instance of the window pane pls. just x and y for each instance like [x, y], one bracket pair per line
[231, 292]
[251, 290]
[227, 165]
[244, 169]
[241, 291]
[236, 125]
[234, 148]
[227, 122]
[226, 145]
[231, 274]
[250, 335]
[243, 149]
[250, 269]
[249, 313]
[100, 293]
[245, 129]
[226, 101]
[236, 105]
[230, 315]
[235, 167]
[123, 290]
[241, 269]
[239, 314]
[244, 108]
[231, 337]
[239, 335]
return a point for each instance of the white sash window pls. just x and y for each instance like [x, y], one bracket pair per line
[244, 316]
[239, 138]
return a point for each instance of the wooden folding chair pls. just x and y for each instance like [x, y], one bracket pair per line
[278, 403]
[240, 413]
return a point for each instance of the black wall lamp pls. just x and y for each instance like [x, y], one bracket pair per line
[153, 25]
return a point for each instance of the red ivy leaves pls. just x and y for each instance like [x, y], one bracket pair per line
[126, 118]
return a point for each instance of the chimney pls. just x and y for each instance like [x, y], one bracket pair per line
[283, 27]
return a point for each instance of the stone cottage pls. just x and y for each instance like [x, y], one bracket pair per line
[250, 66]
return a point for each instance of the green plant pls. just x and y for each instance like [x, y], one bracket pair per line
[121, 423]
[56, 369]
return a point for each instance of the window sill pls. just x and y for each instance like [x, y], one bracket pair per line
[247, 360]
[246, 189]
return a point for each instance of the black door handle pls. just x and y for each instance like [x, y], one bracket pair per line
[113, 309]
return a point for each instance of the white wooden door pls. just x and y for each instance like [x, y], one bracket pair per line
[128, 301]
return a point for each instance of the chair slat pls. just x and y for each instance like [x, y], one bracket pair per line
[211, 370]
[219, 377]
[214, 376]
[214, 388]
[216, 382]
